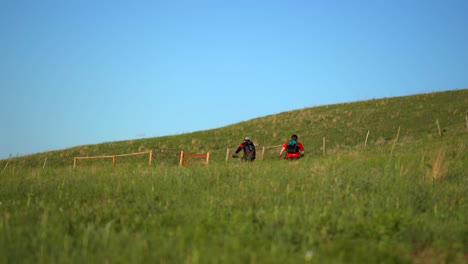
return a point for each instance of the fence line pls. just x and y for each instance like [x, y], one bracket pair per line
[114, 157]
[47, 161]
[207, 155]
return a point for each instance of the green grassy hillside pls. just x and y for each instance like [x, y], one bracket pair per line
[344, 126]
[403, 202]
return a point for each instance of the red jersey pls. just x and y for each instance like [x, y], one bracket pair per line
[296, 154]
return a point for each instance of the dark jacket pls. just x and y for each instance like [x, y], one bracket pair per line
[249, 150]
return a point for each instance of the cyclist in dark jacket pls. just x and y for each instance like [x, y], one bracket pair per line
[249, 150]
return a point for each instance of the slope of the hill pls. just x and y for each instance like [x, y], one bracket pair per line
[342, 125]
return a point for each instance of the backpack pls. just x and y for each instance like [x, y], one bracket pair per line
[292, 146]
[249, 149]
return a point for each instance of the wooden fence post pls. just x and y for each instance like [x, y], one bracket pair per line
[227, 154]
[207, 158]
[323, 146]
[365, 143]
[113, 161]
[150, 157]
[466, 117]
[394, 142]
[181, 161]
[74, 162]
[438, 127]
[263, 152]
[6, 166]
[43, 166]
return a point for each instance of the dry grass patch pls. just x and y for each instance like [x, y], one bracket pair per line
[438, 170]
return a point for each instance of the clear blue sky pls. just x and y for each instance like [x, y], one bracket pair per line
[77, 72]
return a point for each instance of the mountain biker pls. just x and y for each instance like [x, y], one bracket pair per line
[294, 149]
[249, 150]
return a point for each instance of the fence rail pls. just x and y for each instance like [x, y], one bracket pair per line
[114, 157]
[183, 156]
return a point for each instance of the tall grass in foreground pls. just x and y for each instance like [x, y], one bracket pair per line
[358, 206]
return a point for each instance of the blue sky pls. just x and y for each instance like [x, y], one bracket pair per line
[77, 72]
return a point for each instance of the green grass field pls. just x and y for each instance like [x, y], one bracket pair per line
[392, 201]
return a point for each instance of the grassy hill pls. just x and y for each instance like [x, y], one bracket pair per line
[344, 126]
[402, 201]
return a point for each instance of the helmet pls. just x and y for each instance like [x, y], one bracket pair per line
[247, 138]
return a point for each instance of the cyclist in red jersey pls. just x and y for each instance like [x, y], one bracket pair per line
[294, 149]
